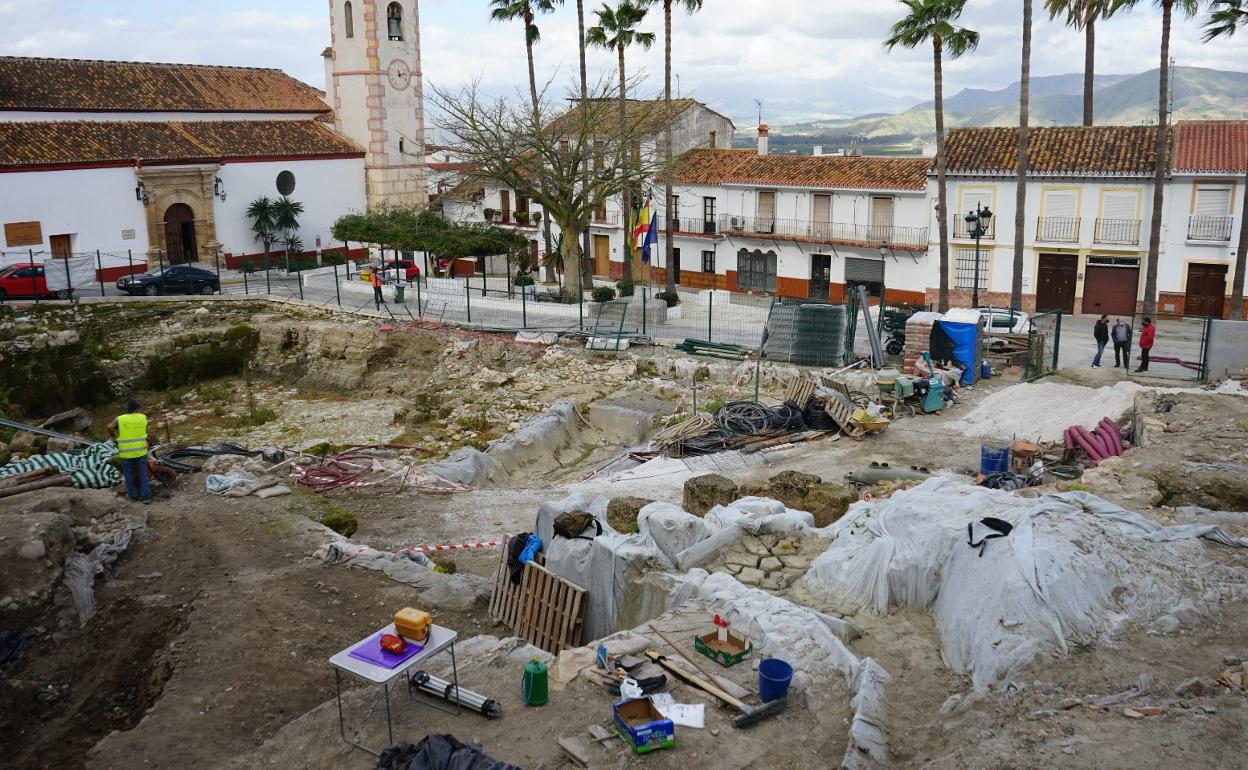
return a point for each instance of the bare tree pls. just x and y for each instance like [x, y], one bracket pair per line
[541, 154]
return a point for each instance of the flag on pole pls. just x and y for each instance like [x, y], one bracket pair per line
[646, 233]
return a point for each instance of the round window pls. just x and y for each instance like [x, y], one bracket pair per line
[285, 183]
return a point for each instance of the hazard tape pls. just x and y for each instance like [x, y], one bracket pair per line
[454, 546]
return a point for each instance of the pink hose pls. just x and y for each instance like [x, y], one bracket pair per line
[1070, 441]
[1088, 443]
[1111, 428]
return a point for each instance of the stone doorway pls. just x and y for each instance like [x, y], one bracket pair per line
[181, 221]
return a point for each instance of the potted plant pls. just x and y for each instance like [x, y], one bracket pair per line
[489, 214]
[522, 217]
[602, 294]
[625, 288]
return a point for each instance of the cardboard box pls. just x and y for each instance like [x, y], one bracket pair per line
[728, 653]
[642, 727]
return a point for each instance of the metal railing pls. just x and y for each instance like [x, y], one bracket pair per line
[964, 230]
[609, 218]
[1203, 228]
[1179, 348]
[690, 225]
[1057, 229]
[1124, 232]
[870, 236]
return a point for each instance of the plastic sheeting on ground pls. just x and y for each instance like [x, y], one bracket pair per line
[1074, 567]
[89, 469]
[439, 752]
[809, 641]
[541, 436]
[81, 569]
[457, 591]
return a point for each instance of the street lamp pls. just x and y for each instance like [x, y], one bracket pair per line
[977, 222]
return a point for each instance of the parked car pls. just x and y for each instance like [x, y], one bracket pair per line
[175, 279]
[1005, 321]
[406, 267]
[28, 281]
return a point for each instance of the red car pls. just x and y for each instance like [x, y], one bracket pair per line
[406, 267]
[27, 280]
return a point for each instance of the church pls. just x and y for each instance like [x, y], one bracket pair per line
[148, 162]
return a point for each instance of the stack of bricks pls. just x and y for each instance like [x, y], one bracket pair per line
[918, 335]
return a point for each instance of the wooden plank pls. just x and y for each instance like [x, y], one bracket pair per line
[23, 234]
[568, 625]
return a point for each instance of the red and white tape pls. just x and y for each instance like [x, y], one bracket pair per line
[455, 546]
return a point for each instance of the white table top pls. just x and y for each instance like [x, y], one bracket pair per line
[438, 640]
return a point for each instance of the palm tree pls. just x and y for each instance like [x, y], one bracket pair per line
[263, 223]
[1024, 138]
[1226, 17]
[932, 21]
[617, 29]
[1083, 15]
[1188, 8]
[286, 213]
[691, 7]
[526, 11]
[587, 272]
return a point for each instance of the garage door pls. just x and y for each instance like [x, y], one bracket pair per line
[1109, 288]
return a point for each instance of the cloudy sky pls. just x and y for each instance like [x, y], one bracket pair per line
[801, 57]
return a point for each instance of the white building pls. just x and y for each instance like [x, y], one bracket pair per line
[1089, 204]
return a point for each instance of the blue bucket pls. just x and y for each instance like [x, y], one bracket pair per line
[985, 371]
[774, 676]
[993, 459]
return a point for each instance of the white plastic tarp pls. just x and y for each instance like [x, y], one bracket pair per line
[1074, 567]
[72, 272]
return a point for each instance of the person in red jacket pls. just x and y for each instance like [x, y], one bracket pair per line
[1147, 336]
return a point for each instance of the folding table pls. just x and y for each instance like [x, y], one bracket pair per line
[439, 640]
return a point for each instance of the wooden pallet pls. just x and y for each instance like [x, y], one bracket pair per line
[543, 609]
[841, 415]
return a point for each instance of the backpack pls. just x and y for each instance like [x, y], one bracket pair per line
[572, 523]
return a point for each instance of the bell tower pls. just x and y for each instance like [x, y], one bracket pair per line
[373, 82]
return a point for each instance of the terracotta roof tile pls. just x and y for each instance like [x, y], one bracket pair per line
[648, 112]
[710, 167]
[80, 85]
[1211, 146]
[44, 143]
[1064, 150]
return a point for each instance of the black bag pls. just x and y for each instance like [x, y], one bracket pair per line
[572, 523]
[999, 529]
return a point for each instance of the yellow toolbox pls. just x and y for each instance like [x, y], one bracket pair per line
[413, 623]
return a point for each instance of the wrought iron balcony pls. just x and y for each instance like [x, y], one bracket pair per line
[1122, 232]
[1057, 229]
[691, 225]
[605, 218]
[963, 230]
[1214, 229]
[869, 236]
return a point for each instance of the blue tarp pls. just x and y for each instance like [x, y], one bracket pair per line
[963, 336]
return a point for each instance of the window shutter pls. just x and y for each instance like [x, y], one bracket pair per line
[1063, 204]
[766, 205]
[1119, 204]
[864, 270]
[882, 212]
[823, 209]
[972, 197]
[1213, 201]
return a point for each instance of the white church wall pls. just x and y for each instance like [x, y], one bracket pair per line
[326, 188]
[96, 207]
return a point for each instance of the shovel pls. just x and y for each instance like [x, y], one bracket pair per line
[750, 715]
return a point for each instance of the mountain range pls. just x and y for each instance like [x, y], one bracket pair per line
[1198, 93]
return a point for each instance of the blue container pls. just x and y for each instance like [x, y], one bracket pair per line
[985, 371]
[993, 459]
[774, 676]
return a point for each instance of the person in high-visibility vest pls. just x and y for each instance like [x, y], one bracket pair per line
[131, 432]
[376, 279]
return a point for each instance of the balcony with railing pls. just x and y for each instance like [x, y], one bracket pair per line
[605, 219]
[965, 231]
[1117, 232]
[1209, 229]
[868, 236]
[1057, 229]
[691, 225]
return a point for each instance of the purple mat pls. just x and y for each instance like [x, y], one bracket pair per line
[370, 651]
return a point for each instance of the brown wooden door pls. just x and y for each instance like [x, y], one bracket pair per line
[505, 201]
[1206, 290]
[1055, 287]
[180, 234]
[62, 246]
[533, 255]
[602, 255]
[1110, 290]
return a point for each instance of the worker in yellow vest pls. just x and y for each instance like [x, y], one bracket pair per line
[131, 432]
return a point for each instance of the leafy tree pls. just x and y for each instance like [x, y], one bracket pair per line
[286, 213]
[932, 21]
[617, 30]
[1188, 8]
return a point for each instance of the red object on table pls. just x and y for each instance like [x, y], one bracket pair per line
[392, 643]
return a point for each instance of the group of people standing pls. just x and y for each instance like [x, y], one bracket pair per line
[1121, 335]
